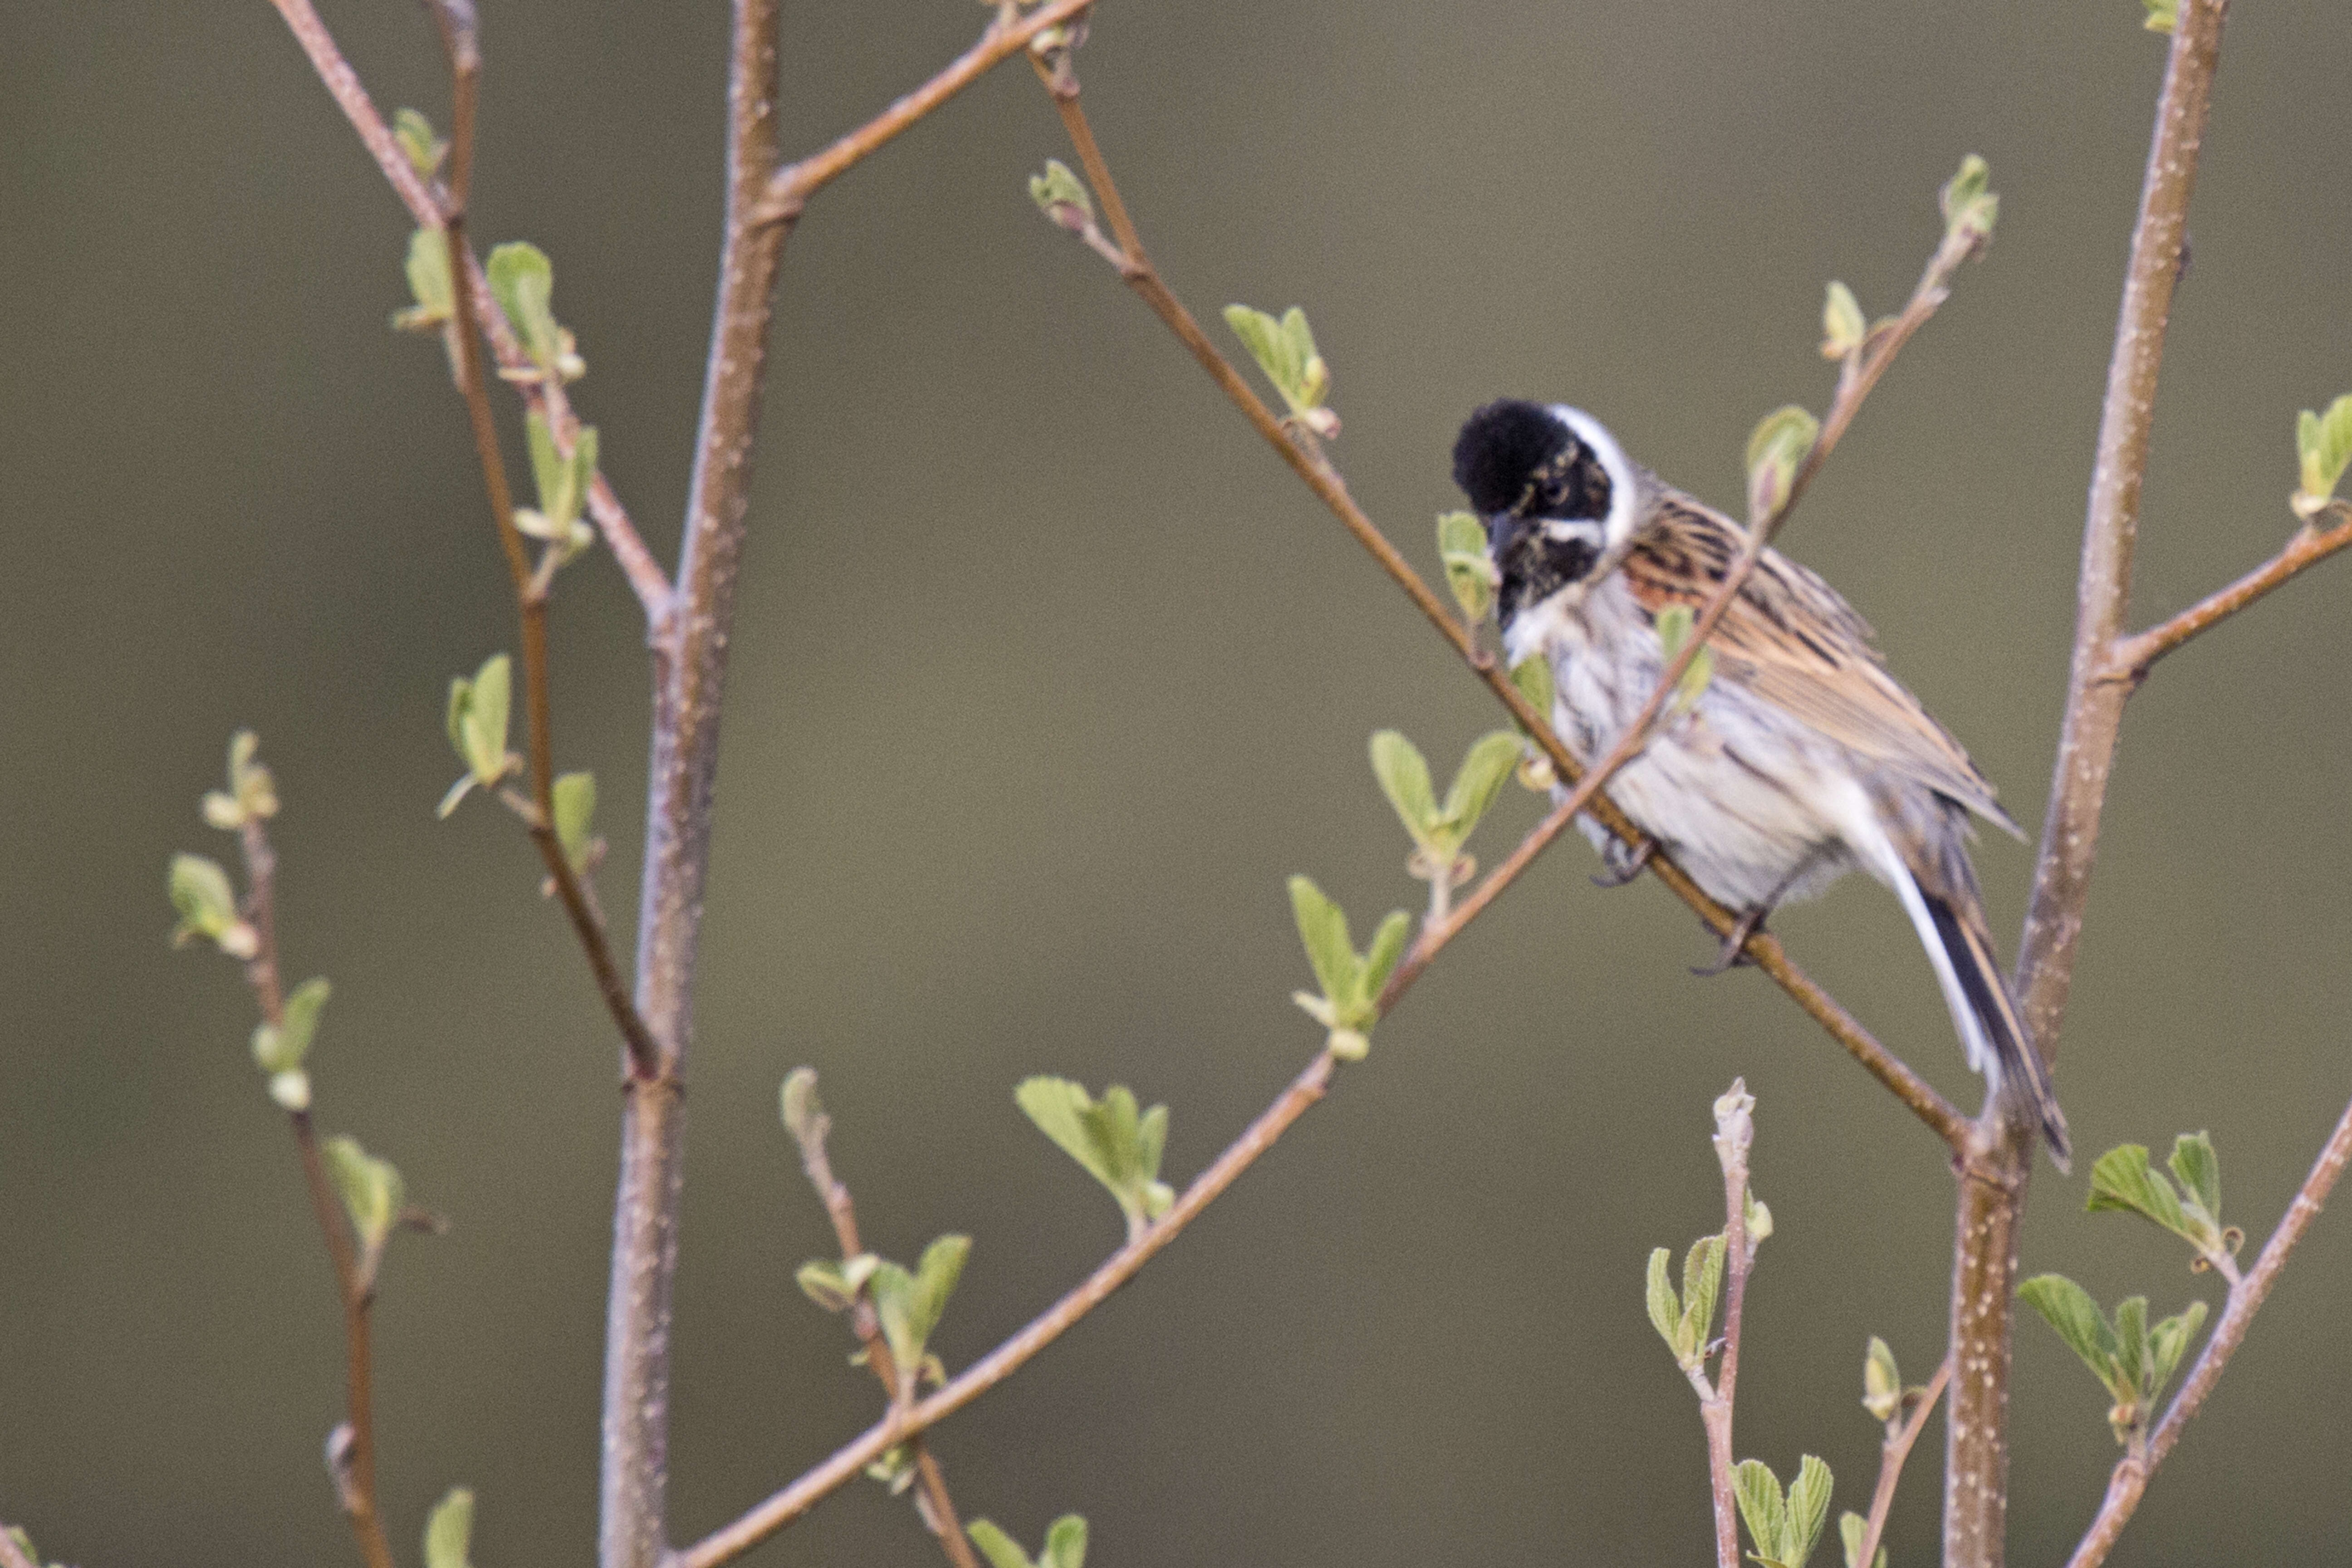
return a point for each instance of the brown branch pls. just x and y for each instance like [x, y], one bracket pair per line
[847, 1463]
[939, 1509]
[2130, 658]
[2246, 1297]
[1992, 1196]
[355, 1477]
[1763, 948]
[1735, 1136]
[1892, 1454]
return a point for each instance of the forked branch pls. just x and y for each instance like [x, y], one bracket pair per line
[2130, 658]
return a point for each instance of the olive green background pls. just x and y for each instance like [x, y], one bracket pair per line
[1046, 675]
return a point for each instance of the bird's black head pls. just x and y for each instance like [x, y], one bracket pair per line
[1550, 486]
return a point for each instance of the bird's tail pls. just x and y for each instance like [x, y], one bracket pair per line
[1952, 928]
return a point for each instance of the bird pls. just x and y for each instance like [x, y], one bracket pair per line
[1803, 758]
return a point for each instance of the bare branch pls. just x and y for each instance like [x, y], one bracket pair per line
[1734, 1136]
[2131, 658]
[1763, 948]
[1992, 1195]
[2130, 1479]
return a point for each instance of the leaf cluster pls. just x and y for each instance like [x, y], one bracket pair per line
[1469, 566]
[2322, 446]
[1686, 1323]
[1117, 1145]
[2123, 1181]
[1285, 350]
[1351, 982]
[1066, 1544]
[1777, 449]
[1783, 1527]
[1439, 831]
[523, 280]
[908, 1303]
[479, 709]
[2132, 1359]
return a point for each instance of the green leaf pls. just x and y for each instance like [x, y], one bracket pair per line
[2323, 444]
[1881, 1382]
[2167, 1342]
[1969, 208]
[1852, 1528]
[414, 134]
[803, 1113]
[449, 1531]
[2068, 1309]
[1314, 375]
[1484, 769]
[993, 1543]
[281, 1049]
[1381, 959]
[252, 794]
[908, 1305]
[429, 281]
[1117, 1146]
[2163, 15]
[1843, 324]
[2199, 1170]
[523, 280]
[371, 1190]
[1532, 676]
[207, 907]
[1066, 1543]
[1062, 197]
[2122, 1180]
[1323, 928]
[1284, 350]
[575, 810]
[1777, 449]
[1757, 1490]
[1404, 775]
[2131, 1341]
[1666, 1312]
[1702, 1277]
[1809, 1510]
[478, 712]
[823, 1281]
[1469, 569]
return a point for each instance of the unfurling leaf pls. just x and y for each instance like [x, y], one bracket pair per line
[1666, 1312]
[1403, 775]
[1777, 449]
[1843, 324]
[575, 814]
[207, 908]
[1066, 1544]
[805, 1116]
[2068, 1309]
[1673, 628]
[1116, 1145]
[1702, 1280]
[908, 1305]
[998, 1548]
[1469, 569]
[424, 150]
[278, 1049]
[478, 711]
[2323, 444]
[428, 280]
[1440, 831]
[1285, 351]
[1969, 209]
[1783, 1529]
[449, 1531]
[2163, 15]
[1062, 197]
[2122, 1180]
[1881, 1382]
[2131, 1359]
[523, 280]
[252, 794]
[371, 1190]
[1532, 676]
[1351, 982]
[563, 480]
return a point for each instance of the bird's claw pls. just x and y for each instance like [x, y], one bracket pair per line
[1625, 863]
[1733, 954]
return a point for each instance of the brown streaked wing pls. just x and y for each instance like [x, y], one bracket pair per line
[1792, 641]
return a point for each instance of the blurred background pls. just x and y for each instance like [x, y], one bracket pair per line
[1047, 674]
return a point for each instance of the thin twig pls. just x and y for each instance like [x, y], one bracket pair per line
[424, 205]
[2130, 658]
[355, 1480]
[1763, 948]
[939, 1510]
[1735, 1136]
[848, 1462]
[1892, 1454]
[2246, 1297]
[1992, 1194]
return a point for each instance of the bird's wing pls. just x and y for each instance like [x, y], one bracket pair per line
[1790, 640]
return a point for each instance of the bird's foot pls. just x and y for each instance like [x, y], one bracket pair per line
[1730, 956]
[1625, 864]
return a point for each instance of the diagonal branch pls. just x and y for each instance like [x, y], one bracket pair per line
[1763, 948]
[2246, 1297]
[1993, 1196]
[2130, 658]
[1892, 1454]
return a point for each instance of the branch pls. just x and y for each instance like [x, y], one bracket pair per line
[2246, 1297]
[2130, 658]
[1734, 1136]
[424, 205]
[1891, 1457]
[1762, 948]
[939, 1509]
[1992, 1196]
[354, 1464]
[847, 1463]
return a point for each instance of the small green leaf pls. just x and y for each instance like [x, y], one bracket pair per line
[523, 280]
[1381, 959]
[1115, 1144]
[2166, 1343]
[1404, 777]
[1532, 676]
[1284, 350]
[1757, 1490]
[1314, 375]
[1062, 197]
[281, 1048]
[1969, 209]
[371, 1190]
[993, 1543]
[478, 712]
[1881, 1382]
[1469, 569]
[1476, 783]
[805, 1115]
[2122, 1180]
[1852, 1528]
[2323, 444]
[1809, 1510]
[575, 811]
[822, 1280]
[251, 795]
[1777, 449]
[1323, 928]
[2131, 1342]
[908, 1305]
[207, 907]
[2198, 1171]
[1066, 1543]
[427, 268]
[1666, 1312]
[2163, 15]
[2068, 1309]
[1843, 324]
[414, 134]
[1702, 1278]
[449, 1531]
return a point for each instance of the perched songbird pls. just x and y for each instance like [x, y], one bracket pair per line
[1802, 760]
